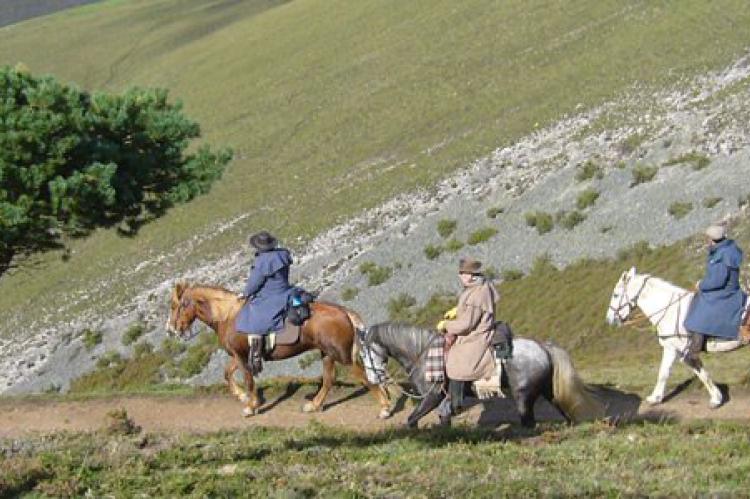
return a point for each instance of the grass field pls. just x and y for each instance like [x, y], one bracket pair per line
[352, 101]
[594, 459]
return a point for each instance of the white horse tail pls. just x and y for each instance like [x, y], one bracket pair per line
[571, 394]
[359, 328]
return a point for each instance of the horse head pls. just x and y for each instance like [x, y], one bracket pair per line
[183, 310]
[624, 298]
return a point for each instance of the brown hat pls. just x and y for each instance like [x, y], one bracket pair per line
[469, 266]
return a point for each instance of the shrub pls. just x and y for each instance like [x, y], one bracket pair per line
[697, 160]
[375, 275]
[197, 355]
[109, 359]
[494, 212]
[481, 235]
[308, 360]
[587, 198]
[542, 264]
[491, 273]
[543, 222]
[605, 229]
[432, 252]
[711, 202]
[512, 275]
[349, 294]
[630, 144]
[119, 423]
[172, 347]
[571, 219]
[453, 245]
[142, 349]
[643, 173]
[679, 209]
[446, 227]
[91, 338]
[635, 252]
[133, 332]
[399, 307]
[432, 311]
[743, 201]
[588, 170]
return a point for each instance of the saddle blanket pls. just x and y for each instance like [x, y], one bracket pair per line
[287, 336]
[434, 364]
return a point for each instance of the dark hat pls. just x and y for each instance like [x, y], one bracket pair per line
[263, 241]
[469, 266]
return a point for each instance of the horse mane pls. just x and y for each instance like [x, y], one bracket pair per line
[224, 303]
[661, 283]
[415, 339]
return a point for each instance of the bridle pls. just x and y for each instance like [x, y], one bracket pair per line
[185, 303]
[629, 302]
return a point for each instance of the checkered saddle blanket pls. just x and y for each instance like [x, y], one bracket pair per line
[434, 365]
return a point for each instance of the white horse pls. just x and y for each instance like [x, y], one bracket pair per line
[665, 305]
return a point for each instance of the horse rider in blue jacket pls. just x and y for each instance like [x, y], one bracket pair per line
[717, 307]
[267, 292]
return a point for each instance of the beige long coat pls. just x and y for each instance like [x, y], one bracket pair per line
[470, 357]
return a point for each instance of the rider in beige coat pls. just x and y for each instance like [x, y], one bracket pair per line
[470, 356]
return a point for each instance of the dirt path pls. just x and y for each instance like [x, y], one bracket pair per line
[347, 407]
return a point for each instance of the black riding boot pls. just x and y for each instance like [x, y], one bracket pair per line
[694, 346]
[456, 394]
[255, 355]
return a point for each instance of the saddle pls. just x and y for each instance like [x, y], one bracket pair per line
[502, 345]
[298, 311]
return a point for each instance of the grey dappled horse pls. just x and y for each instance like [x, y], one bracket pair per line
[535, 370]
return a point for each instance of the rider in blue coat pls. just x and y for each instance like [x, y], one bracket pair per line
[267, 289]
[717, 306]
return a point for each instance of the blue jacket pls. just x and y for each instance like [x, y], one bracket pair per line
[717, 307]
[268, 292]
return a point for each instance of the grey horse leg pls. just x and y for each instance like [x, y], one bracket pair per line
[430, 402]
[525, 404]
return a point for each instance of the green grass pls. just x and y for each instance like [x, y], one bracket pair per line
[632, 143]
[712, 201]
[356, 125]
[637, 459]
[453, 245]
[495, 211]
[348, 294]
[543, 222]
[643, 173]
[587, 198]
[132, 334]
[571, 219]
[587, 171]
[512, 274]
[679, 209]
[399, 307]
[375, 274]
[698, 161]
[481, 235]
[432, 252]
[91, 338]
[446, 227]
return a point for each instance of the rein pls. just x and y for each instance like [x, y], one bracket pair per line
[634, 303]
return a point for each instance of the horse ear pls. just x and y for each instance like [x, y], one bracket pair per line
[180, 288]
[631, 272]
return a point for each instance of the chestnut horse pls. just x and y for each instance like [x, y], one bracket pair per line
[330, 329]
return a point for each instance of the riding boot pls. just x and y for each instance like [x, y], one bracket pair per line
[255, 355]
[694, 346]
[456, 394]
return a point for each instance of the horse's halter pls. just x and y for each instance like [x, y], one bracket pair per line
[628, 302]
[375, 366]
[185, 303]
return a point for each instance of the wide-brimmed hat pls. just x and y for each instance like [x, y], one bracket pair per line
[263, 241]
[717, 231]
[469, 266]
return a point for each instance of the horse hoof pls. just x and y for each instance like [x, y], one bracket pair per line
[653, 400]
[309, 407]
[715, 404]
[384, 414]
[247, 412]
[244, 398]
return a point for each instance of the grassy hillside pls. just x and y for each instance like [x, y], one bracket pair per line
[353, 102]
[594, 460]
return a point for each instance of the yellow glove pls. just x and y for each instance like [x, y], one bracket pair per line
[451, 314]
[441, 326]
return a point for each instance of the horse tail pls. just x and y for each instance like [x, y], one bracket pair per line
[574, 397]
[359, 328]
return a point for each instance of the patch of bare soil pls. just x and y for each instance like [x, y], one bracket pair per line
[347, 407]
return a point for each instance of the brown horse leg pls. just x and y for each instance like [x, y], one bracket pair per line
[329, 376]
[235, 390]
[377, 391]
[251, 397]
